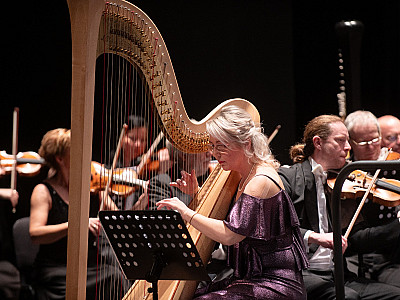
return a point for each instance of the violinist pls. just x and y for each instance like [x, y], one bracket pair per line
[324, 147]
[364, 136]
[49, 222]
[134, 144]
[377, 235]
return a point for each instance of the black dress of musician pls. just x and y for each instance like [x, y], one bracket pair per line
[49, 224]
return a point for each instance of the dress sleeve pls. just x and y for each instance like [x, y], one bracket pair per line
[271, 223]
[259, 218]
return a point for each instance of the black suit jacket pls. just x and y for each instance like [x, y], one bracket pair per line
[299, 183]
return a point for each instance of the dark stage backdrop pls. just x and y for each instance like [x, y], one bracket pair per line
[279, 54]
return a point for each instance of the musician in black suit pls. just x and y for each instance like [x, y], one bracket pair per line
[377, 234]
[325, 146]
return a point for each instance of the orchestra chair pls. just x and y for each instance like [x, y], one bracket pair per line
[25, 252]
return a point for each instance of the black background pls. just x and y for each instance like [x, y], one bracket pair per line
[281, 55]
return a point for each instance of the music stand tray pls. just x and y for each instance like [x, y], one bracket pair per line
[153, 245]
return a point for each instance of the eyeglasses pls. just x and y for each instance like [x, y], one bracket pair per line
[392, 138]
[220, 148]
[363, 143]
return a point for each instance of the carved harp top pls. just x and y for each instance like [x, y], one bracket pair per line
[120, 28]
[127, 31]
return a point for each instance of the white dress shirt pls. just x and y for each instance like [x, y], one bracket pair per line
[322, 258]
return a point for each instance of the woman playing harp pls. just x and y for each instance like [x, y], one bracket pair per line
[137, 78]
[266, 250]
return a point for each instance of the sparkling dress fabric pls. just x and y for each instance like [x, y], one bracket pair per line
[267, 264]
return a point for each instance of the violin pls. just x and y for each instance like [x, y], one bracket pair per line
[393, 155]
[28, 163]
[385, 191]
[124, 181]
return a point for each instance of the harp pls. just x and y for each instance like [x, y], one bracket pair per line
[123, 30]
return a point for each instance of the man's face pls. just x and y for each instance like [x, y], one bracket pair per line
[365, 142]
[335, 148]
[391, 134]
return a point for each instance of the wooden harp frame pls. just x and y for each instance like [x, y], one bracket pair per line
[86, 17]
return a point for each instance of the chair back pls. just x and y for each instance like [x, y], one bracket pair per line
[25, 250]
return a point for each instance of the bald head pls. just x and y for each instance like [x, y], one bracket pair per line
[390, 130]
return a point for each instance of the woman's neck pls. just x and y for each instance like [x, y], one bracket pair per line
[60, 179]
[247, 173]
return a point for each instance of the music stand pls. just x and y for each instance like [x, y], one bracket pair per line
[153, 245]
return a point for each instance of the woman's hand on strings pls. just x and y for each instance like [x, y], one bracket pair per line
[175, 204]
[188, 183]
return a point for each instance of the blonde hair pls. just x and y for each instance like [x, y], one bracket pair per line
[319, 126]
[234, 128]
[55, 143]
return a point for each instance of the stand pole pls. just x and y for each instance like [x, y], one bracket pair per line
[155, 273]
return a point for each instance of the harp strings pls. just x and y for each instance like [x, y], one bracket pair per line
[134, 77]
[124, 93]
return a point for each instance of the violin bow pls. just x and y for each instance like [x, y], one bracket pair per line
[273, 134]
[360, 206]
[116, 156]
[14, 152]
[373, 181]
[149, 153]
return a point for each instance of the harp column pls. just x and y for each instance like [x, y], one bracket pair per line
[84, 31]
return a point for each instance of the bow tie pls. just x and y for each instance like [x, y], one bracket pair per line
[320, 173]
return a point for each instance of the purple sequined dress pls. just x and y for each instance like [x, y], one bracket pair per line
[267, 264]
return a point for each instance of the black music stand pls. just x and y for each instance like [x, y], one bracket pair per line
[153, 245]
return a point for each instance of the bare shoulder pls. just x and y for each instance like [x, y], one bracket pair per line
[261, 185]
[40, 194]
[41, 188]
